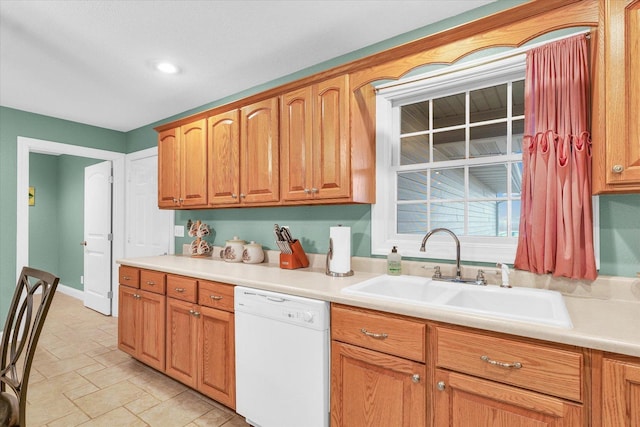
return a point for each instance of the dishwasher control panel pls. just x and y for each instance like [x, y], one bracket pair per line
[302, 311]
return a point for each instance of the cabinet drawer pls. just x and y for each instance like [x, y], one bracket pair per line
[183, 288]
[376, 331]
[541, 368]
[153, 281]
[215, 295]
[129, 276]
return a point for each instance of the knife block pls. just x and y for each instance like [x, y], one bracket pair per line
[296, 259]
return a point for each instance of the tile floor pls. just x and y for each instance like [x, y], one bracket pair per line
[80, 378]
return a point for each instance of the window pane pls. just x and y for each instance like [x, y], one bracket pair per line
[449, 145]
[412, 219]
[414, 117]
[414, 149]
[516, 180]
[448, 215]
[412, 186]
[447, 183]
[488, 181]
[517, 96]
[489, 140]
[517, 131]
[515, 218]
[488, 103]
[448, 111]
[485, 217]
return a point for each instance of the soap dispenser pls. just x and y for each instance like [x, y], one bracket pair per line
[394, 262]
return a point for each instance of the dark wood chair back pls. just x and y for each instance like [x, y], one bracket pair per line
[22, 329]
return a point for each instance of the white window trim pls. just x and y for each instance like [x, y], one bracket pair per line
[383, 213]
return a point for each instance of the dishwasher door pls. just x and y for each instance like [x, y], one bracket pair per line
[282, 359]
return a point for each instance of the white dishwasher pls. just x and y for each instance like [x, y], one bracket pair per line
[282, 359]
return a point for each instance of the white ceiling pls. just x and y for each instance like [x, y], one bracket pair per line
[90, 61]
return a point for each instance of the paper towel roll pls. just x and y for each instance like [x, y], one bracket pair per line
[340, 261]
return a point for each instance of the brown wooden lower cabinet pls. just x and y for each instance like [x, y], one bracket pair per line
[141, 324]
[620, 393]
[201, 349]
[463, 400]
[369, 388]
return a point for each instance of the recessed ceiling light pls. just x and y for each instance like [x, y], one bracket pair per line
[167, 67]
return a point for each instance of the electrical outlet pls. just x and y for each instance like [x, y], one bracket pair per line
[178, 230]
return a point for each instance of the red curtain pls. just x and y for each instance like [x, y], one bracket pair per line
[556, 226]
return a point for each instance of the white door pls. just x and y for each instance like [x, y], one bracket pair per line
[149, 230]
[97, 237]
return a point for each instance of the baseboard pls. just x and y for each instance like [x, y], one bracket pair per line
[72, 292]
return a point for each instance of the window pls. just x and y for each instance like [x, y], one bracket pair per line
[450, 155]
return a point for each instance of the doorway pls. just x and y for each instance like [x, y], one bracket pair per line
[26, 146]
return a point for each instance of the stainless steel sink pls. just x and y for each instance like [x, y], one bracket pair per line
[524, 304]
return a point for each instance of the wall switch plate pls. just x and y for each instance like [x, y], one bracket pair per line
[178, 230]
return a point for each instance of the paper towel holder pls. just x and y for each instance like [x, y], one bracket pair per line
[328, 271]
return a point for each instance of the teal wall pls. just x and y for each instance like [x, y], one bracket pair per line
[56, 222]
[44, 233]
[14, 123]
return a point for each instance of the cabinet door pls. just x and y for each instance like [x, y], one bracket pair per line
[182, 341]
[296, 144]
[151, 307]
[216, 356]
[620, 394]
[462, 400]
[169, 168]
[224, 158]
[374, 389]
[331, 150]
[194, 164]
[128, 321]
[621, 167]
[259, 152]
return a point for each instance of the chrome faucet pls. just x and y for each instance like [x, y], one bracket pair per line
[446, 230]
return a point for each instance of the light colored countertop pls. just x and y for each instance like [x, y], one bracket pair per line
[604, 319]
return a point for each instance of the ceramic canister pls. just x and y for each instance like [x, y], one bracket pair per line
[233, 249]
[252, 253]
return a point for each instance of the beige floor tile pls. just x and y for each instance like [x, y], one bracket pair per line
[51, 389]
[236, 421]
[108, 399]
[58, 367]
[158, 385]
[177, 411]
[117, 417]
[112, 358]
[78, 392]
[71, 420]
[45, 411]
[142, 404]
[214, 418]
[87, 370]
[110, 375]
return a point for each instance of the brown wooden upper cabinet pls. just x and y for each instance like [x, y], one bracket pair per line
[315, 146]
[224, 158]
[259, 153]
[182, 166]
[617, 162]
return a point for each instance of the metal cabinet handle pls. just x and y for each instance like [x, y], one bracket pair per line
[194, 313]
[441, 385]
[215, 297]
[126, 278]
[242, 195]
[136, 296]
[307, 191]
[152, 283]
[234, 196]
[617, 168]
[181, 290]
[314, 190]
[374, 335]
[415, 378]
[515, 365]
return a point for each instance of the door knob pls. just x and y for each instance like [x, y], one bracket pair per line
[83, 243]
[441, 385]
